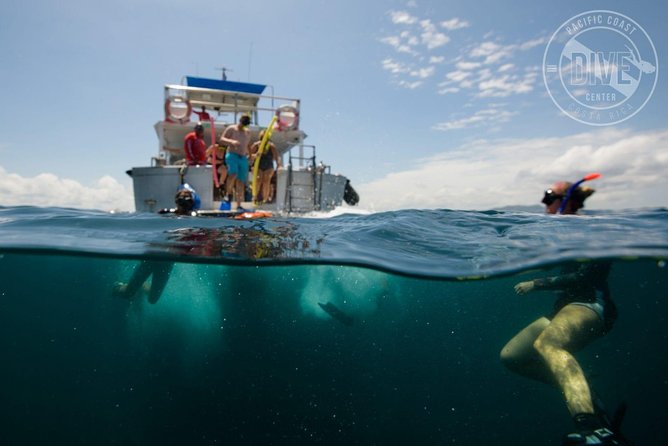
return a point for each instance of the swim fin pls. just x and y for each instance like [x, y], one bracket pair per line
[598, 428]
[336, 313]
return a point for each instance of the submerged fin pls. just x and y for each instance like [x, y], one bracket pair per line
[336, 313]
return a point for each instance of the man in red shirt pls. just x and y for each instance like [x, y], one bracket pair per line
[195, 147]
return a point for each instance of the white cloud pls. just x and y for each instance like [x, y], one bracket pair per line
[409, 85]
[401, 43]
[532, 43]
[506, 67]
[483, 69]
[394, 67]
[446, 90]
[485, 49]
[454, 24]
[47, 189]
[488, 174]
[394, 41]
[483, 74]
[423, 73]
[486, 117]
[431, 37]
[507, 84]
[467, 65]
[402, 17]
[493, 52]
[458, 76]
[410, 38]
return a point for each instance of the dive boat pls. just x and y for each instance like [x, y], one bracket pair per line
[302, 185]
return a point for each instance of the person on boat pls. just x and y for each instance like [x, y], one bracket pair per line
[266, 167]
[582, 313]
[157, 271]
[203, 115]
[219, 152]
[236, 138]
[194, 146]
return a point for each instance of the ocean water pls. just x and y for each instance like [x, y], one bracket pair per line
[239, 348]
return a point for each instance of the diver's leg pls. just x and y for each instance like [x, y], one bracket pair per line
[570, 330]
[230, 184]
[161, 272]
[266, 184]
[241, 192]
[139, 276]
[260, 192]
[520, 356]
[222, 172]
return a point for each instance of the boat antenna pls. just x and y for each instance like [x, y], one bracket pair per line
[250, 59]
[225, 70]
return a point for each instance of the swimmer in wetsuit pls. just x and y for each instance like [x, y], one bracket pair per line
[582, 313]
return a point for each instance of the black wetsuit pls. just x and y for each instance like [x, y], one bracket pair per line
[584, 283]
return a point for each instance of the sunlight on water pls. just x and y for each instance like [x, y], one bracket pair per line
[188, 313]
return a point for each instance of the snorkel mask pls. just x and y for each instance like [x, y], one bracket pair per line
[189, 201]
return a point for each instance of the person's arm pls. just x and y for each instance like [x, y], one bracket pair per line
[546, 283]
[274, 152]
[252, 152]
[588, 272]
[188, 149]
[254, 148]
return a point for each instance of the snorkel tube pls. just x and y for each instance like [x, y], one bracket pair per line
[569, 192]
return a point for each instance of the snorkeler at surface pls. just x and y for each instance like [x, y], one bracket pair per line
[186, 202]
[582, 313]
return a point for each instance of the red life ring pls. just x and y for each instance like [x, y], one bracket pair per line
[175, 110]
[287, 118]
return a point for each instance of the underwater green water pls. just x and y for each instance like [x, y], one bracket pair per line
[245, 355]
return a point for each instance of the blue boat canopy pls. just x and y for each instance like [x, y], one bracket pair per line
[215, 84]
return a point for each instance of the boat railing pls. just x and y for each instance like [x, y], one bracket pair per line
[227, 101]
[307, 162]
[315, 172]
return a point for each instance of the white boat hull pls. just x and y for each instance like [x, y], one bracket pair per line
[297, 191]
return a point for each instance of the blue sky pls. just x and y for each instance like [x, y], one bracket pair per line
[422, 104]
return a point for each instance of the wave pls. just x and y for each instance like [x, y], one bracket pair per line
[439, 244]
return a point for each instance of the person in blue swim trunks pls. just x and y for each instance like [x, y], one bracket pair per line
[237, 138]
[583, 312]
